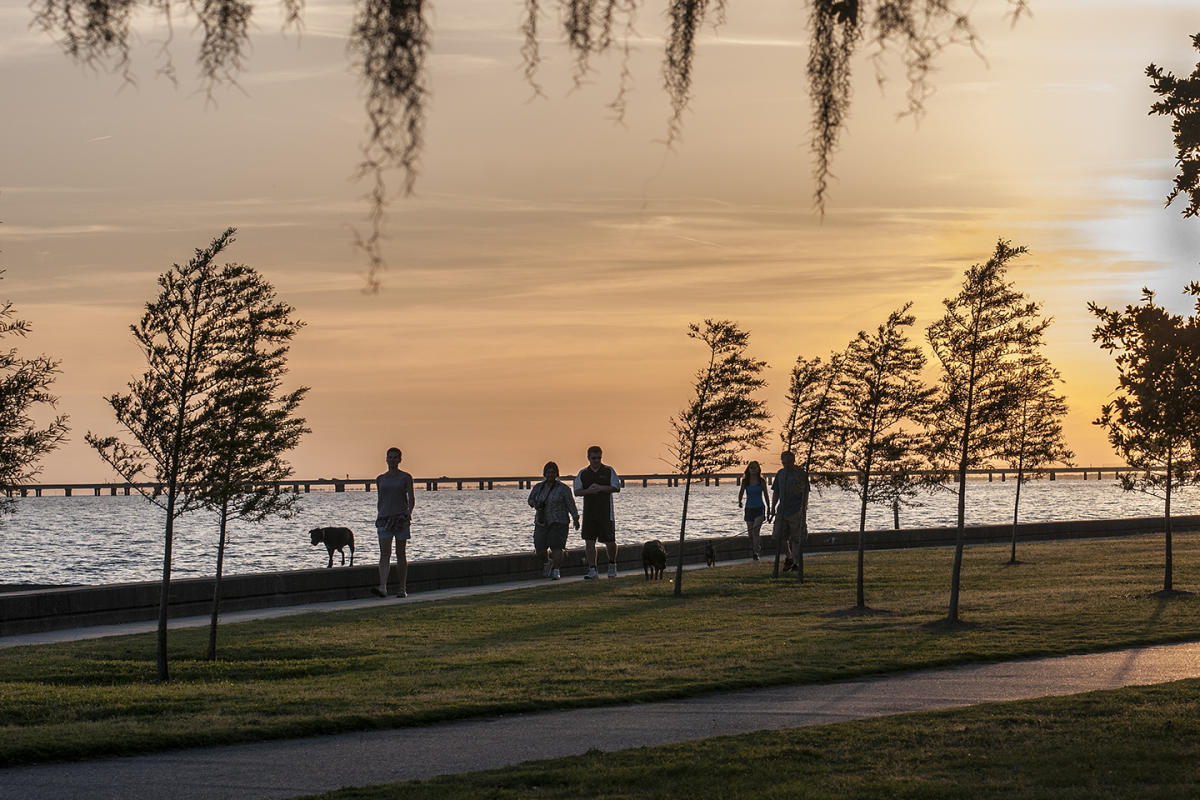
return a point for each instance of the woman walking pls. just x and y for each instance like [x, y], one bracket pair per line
[754, 490]
[393, 521]
[553, 503]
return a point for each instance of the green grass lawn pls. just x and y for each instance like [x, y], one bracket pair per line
[1130, 743]
[585, 644]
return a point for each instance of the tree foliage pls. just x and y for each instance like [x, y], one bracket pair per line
[390, 39]
[1153, 421]
[1181, 101]
[251, 423]
[974, 343]
[188, 335]
[723, 419]
[1035, 435]
[885, 404]
[24, 386]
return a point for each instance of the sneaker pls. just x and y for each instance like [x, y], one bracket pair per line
[612, 570]
[788, 564]
[549, 565]
[554, 574]
[402, 593]
[591, 574]
[756, 556]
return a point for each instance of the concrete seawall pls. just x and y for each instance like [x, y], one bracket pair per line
[77, 607]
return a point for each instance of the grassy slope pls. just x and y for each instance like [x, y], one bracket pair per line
[584, 644]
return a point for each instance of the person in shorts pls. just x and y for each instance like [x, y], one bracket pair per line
[754, 491]
[393, 520]
[789, 496]
[553, 505]
[596, 484]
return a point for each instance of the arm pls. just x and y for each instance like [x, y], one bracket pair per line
[412, 497]
[579, 491]
[741, 493]
[531, 492]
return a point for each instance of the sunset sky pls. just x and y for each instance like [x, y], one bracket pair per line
[541, 279]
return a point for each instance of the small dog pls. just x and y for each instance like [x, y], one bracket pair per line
[335, 539]
[654, 559]
[710, 555]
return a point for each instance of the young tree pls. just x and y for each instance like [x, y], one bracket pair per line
[810, 431]
[882, 392]
[186, 334]
[905, 473]
[1035, 435]
[723, 419]
[24, 384]
[974, 343]
[1153, 422]
[251, 424]
[390, 39]
[1181, 101]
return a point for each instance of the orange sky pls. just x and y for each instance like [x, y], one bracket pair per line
[542, 279]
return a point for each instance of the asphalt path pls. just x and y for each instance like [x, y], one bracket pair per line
[288, 768]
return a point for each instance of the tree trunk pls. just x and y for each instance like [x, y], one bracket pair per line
[165, 591]
[687, 490]
[1012, 559]
[1168, 582]
[896, 513]
[216, 601]
[798, 556]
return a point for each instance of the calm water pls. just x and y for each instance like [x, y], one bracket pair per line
[95, 540]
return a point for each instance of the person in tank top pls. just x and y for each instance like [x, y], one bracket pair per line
[393, 520]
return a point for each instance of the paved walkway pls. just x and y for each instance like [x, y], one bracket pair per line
[302, 766]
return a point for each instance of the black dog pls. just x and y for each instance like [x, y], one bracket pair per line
[335, 539]
[710, 555]
[654, 559]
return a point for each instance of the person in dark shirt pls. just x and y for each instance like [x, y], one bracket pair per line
[596, 484]
[788, 498]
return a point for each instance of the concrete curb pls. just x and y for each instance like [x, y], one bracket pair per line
[84, 606]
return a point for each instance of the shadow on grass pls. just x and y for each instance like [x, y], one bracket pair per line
[858, 612]
[944, 625]
[1169, 594]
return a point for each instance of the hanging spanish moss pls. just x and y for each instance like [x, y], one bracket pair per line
[226, 39]
[686, 18]
[390, 40]
[835, 32]
[92, 32]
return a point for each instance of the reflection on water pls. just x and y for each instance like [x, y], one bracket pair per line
[94, 540]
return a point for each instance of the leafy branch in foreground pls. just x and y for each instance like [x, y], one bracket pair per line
[24, 384]
[1152, 422]
[723, 419]
[1181, 101]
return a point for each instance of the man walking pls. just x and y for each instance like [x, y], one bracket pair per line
[596, 484]
[788, 497]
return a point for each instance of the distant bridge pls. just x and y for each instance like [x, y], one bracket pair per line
[521, 482]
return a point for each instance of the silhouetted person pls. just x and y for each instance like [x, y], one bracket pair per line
[754, 489]
[553, 504]
[394, 521]
[787, 502]
[596, 484]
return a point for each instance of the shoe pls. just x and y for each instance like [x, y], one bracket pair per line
[612, 570]
[591, 574]
[549, 565]
[788, 564]
[402, 593]
[375, 591]
[756, 556]
[554, 574]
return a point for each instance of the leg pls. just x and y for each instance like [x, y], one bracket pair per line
[589, 551]
[385, 563]
[402, 566]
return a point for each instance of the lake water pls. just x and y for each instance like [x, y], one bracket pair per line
[97, 540]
